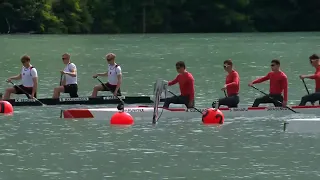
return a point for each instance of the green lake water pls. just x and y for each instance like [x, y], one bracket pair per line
[36, 144]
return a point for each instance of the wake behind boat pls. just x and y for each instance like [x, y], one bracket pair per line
[305, 125]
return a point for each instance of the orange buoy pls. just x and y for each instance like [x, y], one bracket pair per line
[6, 108]
[212, 116]
[121, 118]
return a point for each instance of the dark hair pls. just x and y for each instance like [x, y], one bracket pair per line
[180, 64]
[276, 61]
[25, 58]
[313, 57]
[229, 62]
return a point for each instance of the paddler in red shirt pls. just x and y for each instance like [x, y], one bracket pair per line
[278, 84]
[232, 85]
[313, 97]
[186, 83]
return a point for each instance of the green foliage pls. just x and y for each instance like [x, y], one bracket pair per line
[157, 16]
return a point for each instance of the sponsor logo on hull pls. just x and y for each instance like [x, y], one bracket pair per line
[193, 110]
[74, 99]
[133, 110]
[112, 97]
[238, 109]
[24, 100]
[277, 109]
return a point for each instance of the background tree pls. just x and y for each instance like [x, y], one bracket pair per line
[157, 16]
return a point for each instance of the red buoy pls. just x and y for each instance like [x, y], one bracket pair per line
[6, 108]
[212, 116]
[121, 118]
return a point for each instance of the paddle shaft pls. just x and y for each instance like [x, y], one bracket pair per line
[273, 99]
[61, 79]
[192, 107]
[305, 86]
[27, 93]
[108, 89]
[225, 94]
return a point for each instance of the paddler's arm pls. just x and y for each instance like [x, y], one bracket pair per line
[310, 76]
[17, 77]
[260, 80]
[173, 82]
[285, 91]
[73, 70]
[73, 73]
[35, 86]
[101, 74]
[63, 83]
[235, 80]
[119, 76]
[191, 98]
[34, 74]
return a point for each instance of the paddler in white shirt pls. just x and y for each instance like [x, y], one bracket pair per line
[69, 83]
[29, 78]
[114, 77]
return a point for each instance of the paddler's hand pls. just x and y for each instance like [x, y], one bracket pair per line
[62, 72]
[115, 93]
[8, 80]
[95, 76]
[224, 88]
[190, 104]
[284, 103]
[250, 84]
[302, 76]
[31, 96]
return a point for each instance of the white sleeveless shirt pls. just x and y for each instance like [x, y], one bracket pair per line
[113, 72]
[69, 79]
[26, 76]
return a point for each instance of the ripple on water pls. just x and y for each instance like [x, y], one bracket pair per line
[36, 144]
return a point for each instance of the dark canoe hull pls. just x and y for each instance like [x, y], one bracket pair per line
[82, 100]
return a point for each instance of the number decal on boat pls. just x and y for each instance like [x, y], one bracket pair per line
[133, 110]
[24, 100]
[74, 99]
[238, 109]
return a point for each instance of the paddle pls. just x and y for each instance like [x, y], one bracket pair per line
[157, 98]
[273, 99]
[305, 86]
[61, 79]
[27, 94]
[225, 94]
[120, 105]
[177, 96]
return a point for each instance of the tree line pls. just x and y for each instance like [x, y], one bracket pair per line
[157, 16]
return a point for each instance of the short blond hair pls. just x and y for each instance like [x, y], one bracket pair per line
[25, 58]
[110, 56]
[66, 54]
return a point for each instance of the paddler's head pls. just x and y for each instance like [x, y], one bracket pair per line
[180, 67]
[25, 60]
[66, 58]
[314, 60]
[228, 65]
[111, 57]
[275, 65]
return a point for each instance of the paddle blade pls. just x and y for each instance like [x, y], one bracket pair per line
[157, 96]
